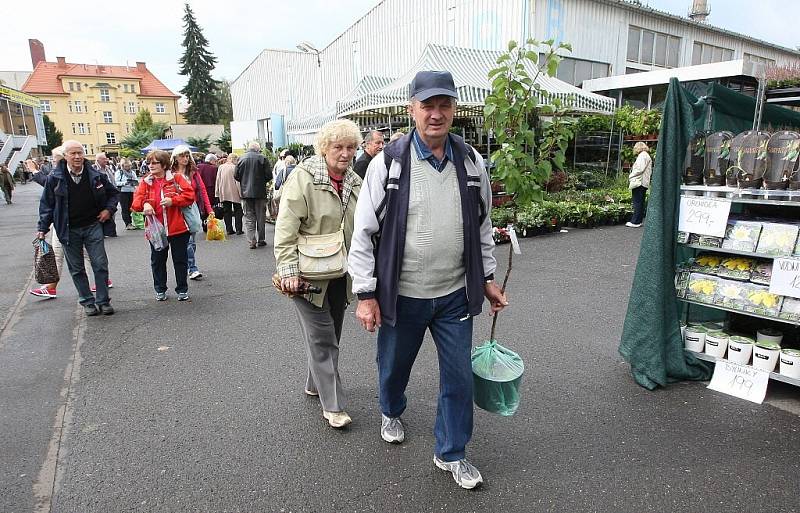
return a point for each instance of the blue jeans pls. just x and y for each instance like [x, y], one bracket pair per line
[90, 237]
[398, 346]
[637, 198]
[158, 263]
[191, 247]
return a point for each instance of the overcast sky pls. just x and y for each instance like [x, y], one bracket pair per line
[111, 32]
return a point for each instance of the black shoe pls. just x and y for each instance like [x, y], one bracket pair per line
[230, 233]
[262, 243]
[91, 310]
[239, 233]
[106, 309]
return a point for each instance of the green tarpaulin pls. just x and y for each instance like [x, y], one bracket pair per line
[734, 111]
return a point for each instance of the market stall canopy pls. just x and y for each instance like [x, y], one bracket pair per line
[166, 145]
[734, 111]
[310, 124]
[470, 68]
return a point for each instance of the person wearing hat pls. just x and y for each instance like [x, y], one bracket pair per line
[427, 199]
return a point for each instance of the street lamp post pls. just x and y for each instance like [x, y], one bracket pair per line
[305, 46]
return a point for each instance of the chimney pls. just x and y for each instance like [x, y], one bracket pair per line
[140, 66]
[62, 62]
[37, 51]
[699, 11]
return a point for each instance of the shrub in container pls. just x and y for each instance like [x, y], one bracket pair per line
[765, 355]
[716, 343]
[739, 349]
[790, 363]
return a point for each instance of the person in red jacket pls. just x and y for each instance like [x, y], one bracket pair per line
[162, 194]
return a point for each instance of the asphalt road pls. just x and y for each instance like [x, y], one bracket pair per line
[198, 406]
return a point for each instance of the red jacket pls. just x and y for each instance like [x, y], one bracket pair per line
[151, 190]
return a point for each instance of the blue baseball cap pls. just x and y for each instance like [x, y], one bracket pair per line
[427, 84]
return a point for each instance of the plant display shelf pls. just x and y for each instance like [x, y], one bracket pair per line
[759, 196]
[741, 312]
[736, 252]
[772, 375]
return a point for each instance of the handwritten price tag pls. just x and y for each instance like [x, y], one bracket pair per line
[785, 279]
[740, 381]
[706, 216]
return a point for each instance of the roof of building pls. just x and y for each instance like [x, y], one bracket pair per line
[46, 78]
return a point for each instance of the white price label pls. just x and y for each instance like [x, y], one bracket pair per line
[706, 216]
[514, 240]
[740, 381]
[785, 279]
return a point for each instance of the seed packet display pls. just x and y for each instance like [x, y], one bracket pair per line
[702, 288]
[736, 268]
[732, 294]
[777, 239]
[742, 235]
[790, 309]
[705, 240]
[762, 272]
[707, 263]
[683, 237]
[761, 301]
[682, 274]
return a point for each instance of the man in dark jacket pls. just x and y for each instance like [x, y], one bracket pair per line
[372, 146]
[253, 173]
[208, 172]
[76, 199]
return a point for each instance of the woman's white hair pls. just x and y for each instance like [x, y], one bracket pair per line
[338, 130]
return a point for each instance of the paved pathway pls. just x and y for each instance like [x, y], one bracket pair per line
[199, 406]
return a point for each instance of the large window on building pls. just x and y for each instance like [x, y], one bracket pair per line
[45, 104]
[130, 108]
[704, 53]
[107, 117]
[105, 96]
[81, 128]
[575, 71]
[653, 48]
[160, 108]
[760, 60]
[111, 138]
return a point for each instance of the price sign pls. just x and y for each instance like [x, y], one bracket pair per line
[740, 381]
[785, 279]
[514, 240]
[706, 216]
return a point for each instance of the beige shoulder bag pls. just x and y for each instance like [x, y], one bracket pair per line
[322, 257]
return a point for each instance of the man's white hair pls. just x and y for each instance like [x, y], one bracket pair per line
[211, 157]
[101, 154]
[254, 146]
[71, 142]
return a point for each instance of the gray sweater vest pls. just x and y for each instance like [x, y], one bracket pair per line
[433, 257]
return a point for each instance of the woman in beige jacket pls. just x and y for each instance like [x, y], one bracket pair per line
[638, 182]
[319, 198]
[228, 191]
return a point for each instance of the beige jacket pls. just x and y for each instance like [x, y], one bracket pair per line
[641, 171]
[309, 205]
[227, 188]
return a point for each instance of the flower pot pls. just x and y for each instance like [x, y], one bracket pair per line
[790, 363]
[740, 349]
[695, 338]
[765, 355]
[716, 343]
[769, 335]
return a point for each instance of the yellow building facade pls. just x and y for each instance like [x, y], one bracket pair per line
[97, 104]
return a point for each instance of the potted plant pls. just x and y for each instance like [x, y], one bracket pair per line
[528, 123]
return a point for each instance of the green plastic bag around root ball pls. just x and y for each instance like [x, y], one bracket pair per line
[497, 375]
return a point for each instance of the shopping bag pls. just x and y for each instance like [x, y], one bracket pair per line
[191, 215]
[215, 228]
[44, 262]
[497, 375]
[156, 233]
[138, 220]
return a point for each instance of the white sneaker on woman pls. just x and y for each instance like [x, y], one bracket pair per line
[337, 419]
[633, 225]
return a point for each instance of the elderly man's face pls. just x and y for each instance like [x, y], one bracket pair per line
[102, 161]
[375, 145]
[433, 117]
[74, 155]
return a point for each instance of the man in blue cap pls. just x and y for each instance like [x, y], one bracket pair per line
[422, 258]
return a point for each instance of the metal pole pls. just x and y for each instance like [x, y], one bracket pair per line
[762, 90]
[608, 155]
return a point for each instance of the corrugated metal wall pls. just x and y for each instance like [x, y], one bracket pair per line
[389, 39]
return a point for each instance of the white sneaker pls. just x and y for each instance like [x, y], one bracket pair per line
[337, 419]
[195, 275]
[633, 225]
[392, 430]
[464, 472]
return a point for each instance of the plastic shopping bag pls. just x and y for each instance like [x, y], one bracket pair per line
[497, 375]
[44, 262]
[138, 220]
[156, 233]
[215, 229]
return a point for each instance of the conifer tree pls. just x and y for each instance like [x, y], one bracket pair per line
[198, 62]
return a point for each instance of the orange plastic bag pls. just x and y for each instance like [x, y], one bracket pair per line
[215, 229]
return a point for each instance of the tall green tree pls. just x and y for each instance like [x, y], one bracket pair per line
[224, 141]
[144, 131]
[52, 134]
[201, 143]
[197, 63]
[225, 103]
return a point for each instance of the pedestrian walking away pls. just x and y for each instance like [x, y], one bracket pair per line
[638, 182]
[253, 173]
[6, 182]
[126, 181]
[161, 195]
[208, 172]
[76, 199]
[319, 200]
[183, 164]
[106, 167]
[228, 192]
[427, 198]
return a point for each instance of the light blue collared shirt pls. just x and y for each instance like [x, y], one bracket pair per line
[425, 153]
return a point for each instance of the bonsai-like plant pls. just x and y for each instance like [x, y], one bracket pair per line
[528, 124]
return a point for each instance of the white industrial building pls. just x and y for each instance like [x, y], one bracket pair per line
[299, 89]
